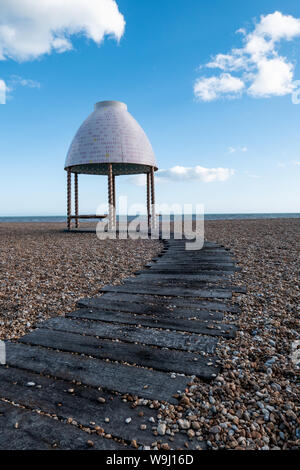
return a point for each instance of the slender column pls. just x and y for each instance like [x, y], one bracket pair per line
[148, 199]
[69, 187]
[110, 196]
[76, 198]
[114, 200]
[153, 215]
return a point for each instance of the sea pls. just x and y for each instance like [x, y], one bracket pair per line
[59, 218]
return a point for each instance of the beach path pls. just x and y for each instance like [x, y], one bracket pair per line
[95, 378]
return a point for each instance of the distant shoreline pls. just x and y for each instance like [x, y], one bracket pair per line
[62, 219]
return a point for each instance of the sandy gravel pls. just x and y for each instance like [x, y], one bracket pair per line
[44, 271]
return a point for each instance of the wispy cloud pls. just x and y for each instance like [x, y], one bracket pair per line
[32, 28]
[181, 174]
[257, 68]
[252, 175]
[287, 164]
[236, 149]
[16, 80]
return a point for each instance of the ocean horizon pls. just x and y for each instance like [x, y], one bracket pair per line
[60, 219]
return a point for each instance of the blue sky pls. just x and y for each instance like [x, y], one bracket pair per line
[235, 119]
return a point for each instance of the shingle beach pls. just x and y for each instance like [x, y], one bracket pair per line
[254, 402]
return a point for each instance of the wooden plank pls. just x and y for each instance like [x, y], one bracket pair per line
[193, 263]
[178, 277]
[184, 283]
[206, 327]
[52, 397]
[148, 309]
[180, 292]
[191, 259]
[132, 334]
[176, 269]
[223, 286]
[156, 358]
[158, 301]
[202, 275]
[40, 432]
[181, 242]
[194, 266]
[121, 378]
[189, 271]
[88, 216]
[182, 248]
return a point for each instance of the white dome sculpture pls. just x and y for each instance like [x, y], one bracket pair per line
[110, 142]
[110, 135]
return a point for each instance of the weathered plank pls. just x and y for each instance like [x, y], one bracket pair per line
[207, 327]
[182, 272]
[172, 292]
[185, 284]
[131, 334]
[96, 373]
[194, 267]
[160, 311]
[147, 356]
[171, 301]
[178, 277]
[52, 397]
[170, 283]
[194, 261]
[39, 432]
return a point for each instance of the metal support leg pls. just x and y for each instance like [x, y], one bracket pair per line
[69, 187]
[76, 198]
[148, 200]
[110, 196]
[153, 215]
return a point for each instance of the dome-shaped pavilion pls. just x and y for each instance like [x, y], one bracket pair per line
[110, 142]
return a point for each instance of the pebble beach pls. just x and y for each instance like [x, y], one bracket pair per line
[254, 402]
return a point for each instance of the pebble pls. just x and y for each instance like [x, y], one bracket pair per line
[161, 429]
[215, 429]
[128, 420]
[183, 423]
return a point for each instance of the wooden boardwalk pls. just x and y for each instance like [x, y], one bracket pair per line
[144, 339]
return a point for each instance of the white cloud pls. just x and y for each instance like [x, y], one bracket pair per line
[181, 174]
[244, 149]
[278, 26]
[2, 92]
[25, 82]
[274, 77]
[258, 64]
[208, 89]
[32, 28]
